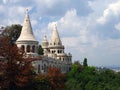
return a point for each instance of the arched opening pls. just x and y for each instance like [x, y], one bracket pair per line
[33, 48]
[28, 48]
[23, 48]
[45, 68]
[39, 68]
[58, 51]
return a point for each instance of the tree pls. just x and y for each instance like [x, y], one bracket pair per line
[15, 71]
[85, 62]
[40, 50]
[56, 78]
[77, 63]
[13, 31]
[52, 80]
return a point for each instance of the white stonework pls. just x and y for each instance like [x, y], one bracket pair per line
[26, 40]
[54, 55]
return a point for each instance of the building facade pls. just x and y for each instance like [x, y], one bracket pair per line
[54, 55]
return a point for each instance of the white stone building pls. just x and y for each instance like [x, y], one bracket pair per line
[54, 55]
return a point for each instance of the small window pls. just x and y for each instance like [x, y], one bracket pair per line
[42, 68]
[33, 48]
[58, 51]
[23, 48]
[28, 48]
[45, 68]
[38, 68]
[52, 51]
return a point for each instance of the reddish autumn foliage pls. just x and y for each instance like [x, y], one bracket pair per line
[57, 79]
[54, 79]
[14, 69]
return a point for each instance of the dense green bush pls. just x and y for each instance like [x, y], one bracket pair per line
[92, 78]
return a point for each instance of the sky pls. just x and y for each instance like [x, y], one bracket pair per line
[88, 28]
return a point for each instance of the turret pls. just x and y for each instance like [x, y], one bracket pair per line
[55, 45]
[45, 45]
[26, 40]
[26, 33]
[55, 39]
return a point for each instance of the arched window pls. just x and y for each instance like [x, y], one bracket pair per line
[60, 58]
[23, 48]
[45, 68]
[63, 59]
[52, 51]
[28, 48]
[39, 68]
[33, 48]
[58, 51]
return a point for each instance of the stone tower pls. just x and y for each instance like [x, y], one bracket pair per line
[55, 45]
[45, 45]
[26, 40]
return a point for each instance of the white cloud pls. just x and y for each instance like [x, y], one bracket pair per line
[51, 25]
[2, 8]
[5, 1]
[117, 26]
[68, 41]
[112, 10]
[70, 25]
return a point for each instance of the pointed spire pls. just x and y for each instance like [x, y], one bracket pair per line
[55, 27]
[26, 33]
[45, 39]
[45, 42]
[27, 11]
[55, 39]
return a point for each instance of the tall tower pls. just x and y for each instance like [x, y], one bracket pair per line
[26, 40]
[55, 45]
[45, 45]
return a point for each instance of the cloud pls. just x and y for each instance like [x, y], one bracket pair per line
[111, 10]
[70, 24]
[5, 1]
[117, 26]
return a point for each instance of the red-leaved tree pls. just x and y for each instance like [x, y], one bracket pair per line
[54, 79]
[15, 71]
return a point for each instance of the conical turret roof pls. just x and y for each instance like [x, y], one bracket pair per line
[45, 42]
[55, 39]
[26, 33]
[45, 39]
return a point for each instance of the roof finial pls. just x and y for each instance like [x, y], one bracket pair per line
[55, 26]
[27, 11]
[45, 36]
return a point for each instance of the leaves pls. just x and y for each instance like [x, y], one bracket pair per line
[53, 78]
[14, 69]
[91, 77]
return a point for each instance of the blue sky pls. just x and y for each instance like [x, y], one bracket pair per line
[88, 28]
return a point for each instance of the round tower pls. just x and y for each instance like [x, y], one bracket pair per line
[26, 40]
[45, 45]
[55, 45]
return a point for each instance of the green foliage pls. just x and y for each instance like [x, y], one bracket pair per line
[85, 62]
[40, 50]
[91, 78]
[13, 31]
[76, 68]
